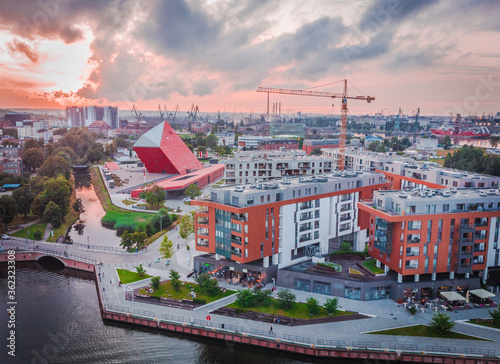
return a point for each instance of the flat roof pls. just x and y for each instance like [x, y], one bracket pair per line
[180, 182]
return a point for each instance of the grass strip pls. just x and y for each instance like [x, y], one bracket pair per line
[424, 331]
[127, 276]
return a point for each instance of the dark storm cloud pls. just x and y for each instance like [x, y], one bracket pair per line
[228, 40]
[16, 47]
[174, 27]
[389, 12]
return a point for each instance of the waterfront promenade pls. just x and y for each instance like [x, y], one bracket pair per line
[385, 313]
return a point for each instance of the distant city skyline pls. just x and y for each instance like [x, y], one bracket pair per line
[439, 56]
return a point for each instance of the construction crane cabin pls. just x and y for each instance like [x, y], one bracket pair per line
[343, 120]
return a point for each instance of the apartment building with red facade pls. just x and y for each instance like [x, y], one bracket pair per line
[268, 226]
[447, 238]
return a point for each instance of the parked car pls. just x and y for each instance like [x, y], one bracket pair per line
[187, 199]
[5, 237]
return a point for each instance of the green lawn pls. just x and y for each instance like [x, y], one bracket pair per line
[23, 233]
[129, 202]
[424, 331]
[166, 290]
[371, 266]
[484, 322]
[298, 310]
[127, 276]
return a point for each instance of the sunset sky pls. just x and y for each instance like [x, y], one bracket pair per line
[441, 56]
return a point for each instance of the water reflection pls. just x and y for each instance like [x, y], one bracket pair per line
[89, 229]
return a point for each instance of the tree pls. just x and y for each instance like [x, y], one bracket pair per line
[95, 154]
[345, 246]
[208, 285]
[494, 140]
[193, 191]
[286, 299]
[301, 142]
[154, 195]
[212, 141]
[24, 199]
[312, 306]
[111, 150]
[31, 144]
[316, 151]
[57, 190]
[155, 282]
[78, 206]
[166, 248]
[139, 239]
[245, 298]
[140, 270]
[446, 142]
[126, 240]
[33, 158]
[53, 214]
[10, 143]
[161, 220]
[331, 305]
[261, 296]
[65, 152]
[8, 209]
[54, 166]
[441, 323]
[174, 279]
[186, 226]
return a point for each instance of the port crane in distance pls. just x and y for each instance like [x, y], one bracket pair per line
[344, 96]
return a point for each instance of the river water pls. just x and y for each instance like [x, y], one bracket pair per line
[58, 321]
[92, 232]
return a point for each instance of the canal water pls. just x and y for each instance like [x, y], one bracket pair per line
[58, 321]
[91, 231]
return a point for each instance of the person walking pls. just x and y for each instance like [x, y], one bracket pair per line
[271, 330]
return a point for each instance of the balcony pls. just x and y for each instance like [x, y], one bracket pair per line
[305, 228]
[203, 210]
[202, 243]
[345, 208]
[239, 217]
[236, 253]
[235, 240]
[306, 205]
[202, 221]
[304, 238]
[230, 174]
[345, 218]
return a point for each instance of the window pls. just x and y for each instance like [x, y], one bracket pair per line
[414, 225]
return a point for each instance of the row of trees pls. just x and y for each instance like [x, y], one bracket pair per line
[396, 144]
[76, 145]
[48, 198]
[473, 159]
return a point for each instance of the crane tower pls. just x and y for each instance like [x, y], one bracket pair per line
[343, 96]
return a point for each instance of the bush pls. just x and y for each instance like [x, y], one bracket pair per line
[261, 296]
[245, 298]
[174, 279]
[413, 310]
[441, 323]
[331, 305]
[312, 306]
[37, 234]
[495, 316]
[286, 299]
[208, 285]
[155, 282]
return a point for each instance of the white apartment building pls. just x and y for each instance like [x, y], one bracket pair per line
[250, 167]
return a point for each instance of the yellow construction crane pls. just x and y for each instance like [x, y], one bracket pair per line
[344, 96]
